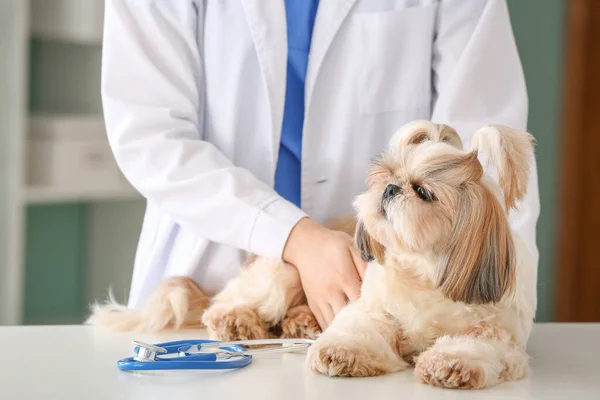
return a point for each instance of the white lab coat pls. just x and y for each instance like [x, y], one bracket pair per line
[193, 95]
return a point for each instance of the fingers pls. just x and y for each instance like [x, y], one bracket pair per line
[318, 315]
[352, 288]
[338, 302]
[352, 282]
[361, 265]
[325, 313]
[328, 315]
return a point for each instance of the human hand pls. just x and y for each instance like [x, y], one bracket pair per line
[330, 268]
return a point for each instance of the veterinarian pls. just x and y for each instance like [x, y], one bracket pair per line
[246, 124]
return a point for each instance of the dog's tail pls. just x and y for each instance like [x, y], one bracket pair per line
[177, 303]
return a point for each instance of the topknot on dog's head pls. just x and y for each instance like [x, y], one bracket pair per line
[420, 131]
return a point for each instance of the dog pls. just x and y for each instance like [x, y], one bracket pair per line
[449, 287]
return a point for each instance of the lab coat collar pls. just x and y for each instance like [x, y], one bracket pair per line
[268, 28]
[330, 16]
[267, 24]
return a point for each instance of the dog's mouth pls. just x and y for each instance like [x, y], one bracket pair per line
[384, 205]
[382, 211]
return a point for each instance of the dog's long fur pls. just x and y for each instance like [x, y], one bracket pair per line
[449, 286]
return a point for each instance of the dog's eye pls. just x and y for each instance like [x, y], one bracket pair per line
[423, 193]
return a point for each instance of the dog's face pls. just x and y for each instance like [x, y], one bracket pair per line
[426, 195]
[414, 195]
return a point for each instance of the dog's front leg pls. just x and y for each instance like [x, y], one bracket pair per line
[482, 356]
[259, 298]
[357, 344]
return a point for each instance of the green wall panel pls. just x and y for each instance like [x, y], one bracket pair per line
[539, 30]
[54, 258]
[64, 79]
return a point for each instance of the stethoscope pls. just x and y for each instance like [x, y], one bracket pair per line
[204, 354]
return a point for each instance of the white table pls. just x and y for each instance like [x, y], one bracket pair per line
[76, 362]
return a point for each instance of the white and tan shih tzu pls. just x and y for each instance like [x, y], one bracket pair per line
[449, 287]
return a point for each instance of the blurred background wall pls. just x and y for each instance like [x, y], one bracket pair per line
[539, 27]
[74, 250]
[76, 245]
[67, 243]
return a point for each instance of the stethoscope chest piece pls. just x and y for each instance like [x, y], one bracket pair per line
[145, 352]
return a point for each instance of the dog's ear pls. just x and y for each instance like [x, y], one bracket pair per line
[369, 248]
[510, 152]
[417, 132]
[477, 265]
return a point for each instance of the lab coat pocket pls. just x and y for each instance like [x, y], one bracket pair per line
[395, 66]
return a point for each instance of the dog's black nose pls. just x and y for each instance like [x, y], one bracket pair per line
[391, 191]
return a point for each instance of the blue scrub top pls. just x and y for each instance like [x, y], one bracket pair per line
[300, 16]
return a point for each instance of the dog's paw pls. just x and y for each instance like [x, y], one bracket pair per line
[343, 360]
[300, 322]
[240, 323]
[445, 371]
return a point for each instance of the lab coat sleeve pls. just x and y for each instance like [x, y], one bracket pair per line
[152, 91]
[478, 80]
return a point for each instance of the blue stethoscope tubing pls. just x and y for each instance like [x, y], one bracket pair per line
[194, 361]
